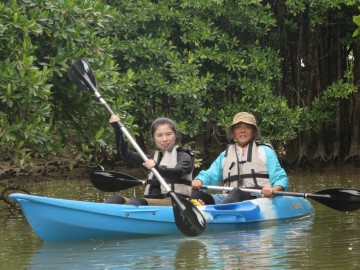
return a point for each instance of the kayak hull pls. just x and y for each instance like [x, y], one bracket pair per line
[55, 219]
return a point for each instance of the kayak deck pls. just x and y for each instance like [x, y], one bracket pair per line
[55, 219]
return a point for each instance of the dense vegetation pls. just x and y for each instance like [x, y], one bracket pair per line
[294, 64]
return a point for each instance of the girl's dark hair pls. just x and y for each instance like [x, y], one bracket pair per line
[162, 121]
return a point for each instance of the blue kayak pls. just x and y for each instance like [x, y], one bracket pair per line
[55, 219]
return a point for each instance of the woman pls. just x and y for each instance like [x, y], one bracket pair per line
[174, 163]
[245, 164]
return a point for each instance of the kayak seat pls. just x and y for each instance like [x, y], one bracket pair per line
[233, 212]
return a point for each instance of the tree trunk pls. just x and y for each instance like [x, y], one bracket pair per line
[302, 153]
[306, 43]
[320, 153]
[354, 152]
[335, 156]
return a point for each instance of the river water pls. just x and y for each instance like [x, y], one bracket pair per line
[329, 239]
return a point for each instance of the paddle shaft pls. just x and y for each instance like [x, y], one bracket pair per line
[128, 136]
[281, 193]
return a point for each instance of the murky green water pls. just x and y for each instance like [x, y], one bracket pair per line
[327, 240]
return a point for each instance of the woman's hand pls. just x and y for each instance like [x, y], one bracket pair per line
[269, 191]
[196, 184]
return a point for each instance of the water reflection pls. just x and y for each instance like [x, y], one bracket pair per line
[336, 243]
[230, 250]
[17, 239]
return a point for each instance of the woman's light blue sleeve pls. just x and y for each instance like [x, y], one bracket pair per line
[213, 175]
[277, 174]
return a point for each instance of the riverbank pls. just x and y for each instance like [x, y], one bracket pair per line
[60, 168]
[42, 168]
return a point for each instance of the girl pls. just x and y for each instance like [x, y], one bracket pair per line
[174, 163]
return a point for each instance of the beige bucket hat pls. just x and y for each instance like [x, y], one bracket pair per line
[244, 117]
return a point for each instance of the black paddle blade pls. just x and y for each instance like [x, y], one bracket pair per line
[341, 199]
[188, 217]
[110, 181]
[81, 73]
[114, 175]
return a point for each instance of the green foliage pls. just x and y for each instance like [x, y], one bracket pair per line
[278, 123]
[192, 58]
[24, 89]
[356, 20]
[198, 62]
[41, 111]
[323, 107]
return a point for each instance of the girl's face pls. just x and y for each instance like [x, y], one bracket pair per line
[244, 133]
[164, 136]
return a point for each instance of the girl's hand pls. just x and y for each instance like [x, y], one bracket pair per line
[114, 118]
[150, 163]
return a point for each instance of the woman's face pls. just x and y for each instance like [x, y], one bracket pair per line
[164, 136]
[243, 133]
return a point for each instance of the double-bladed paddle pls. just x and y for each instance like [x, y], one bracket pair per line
[188, 218]
[341, 199]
